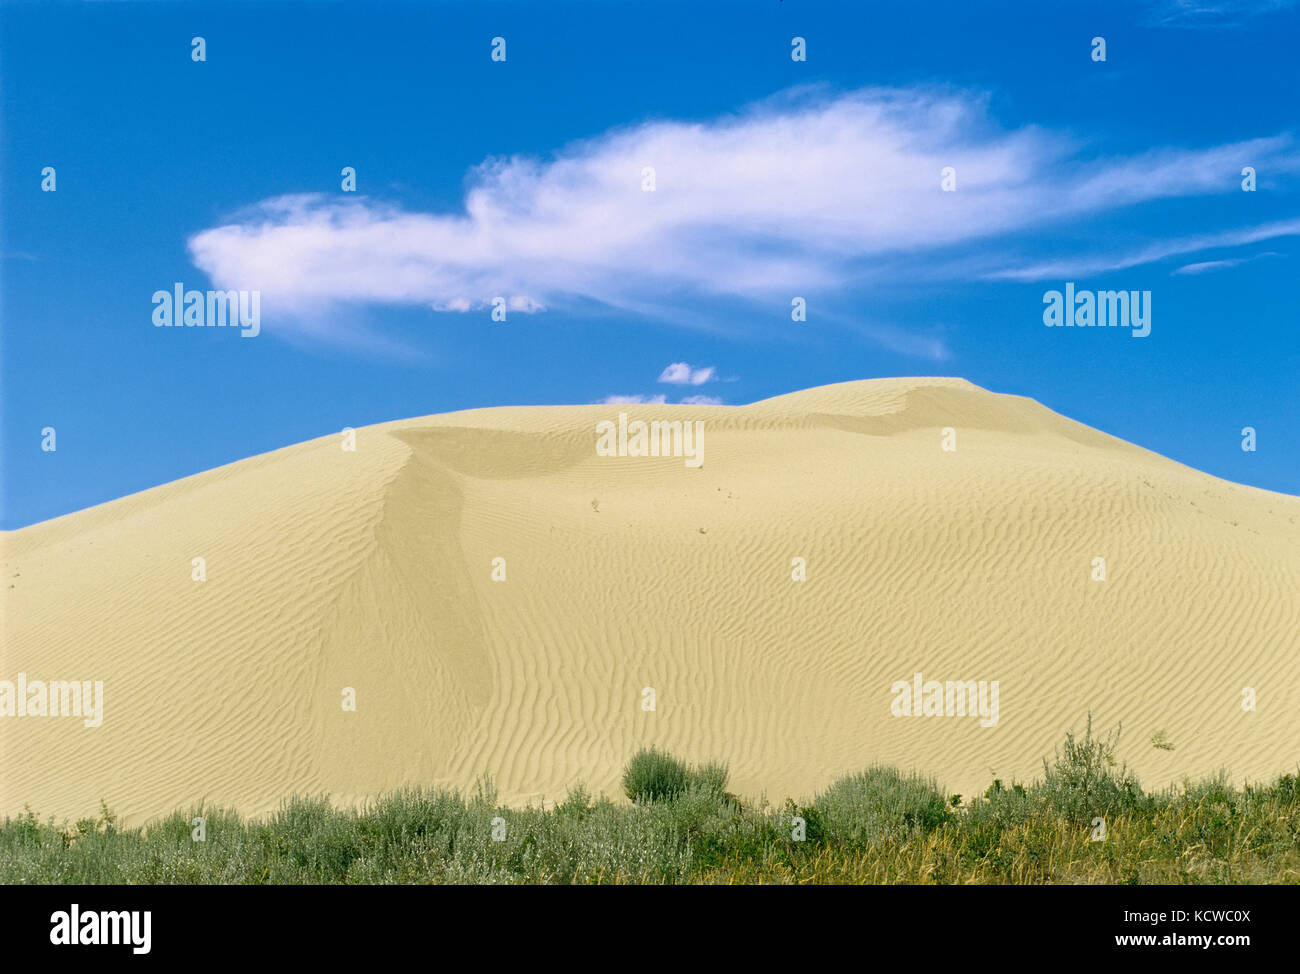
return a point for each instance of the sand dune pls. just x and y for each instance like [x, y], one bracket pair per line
[372, 569]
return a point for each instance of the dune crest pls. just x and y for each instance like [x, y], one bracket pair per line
[373, 570]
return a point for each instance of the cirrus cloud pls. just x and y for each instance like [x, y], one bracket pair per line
[807, 191]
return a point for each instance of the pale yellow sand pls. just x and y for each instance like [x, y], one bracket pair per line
[328, 569]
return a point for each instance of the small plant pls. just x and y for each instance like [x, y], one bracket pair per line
[1086, 780]
[709, 777]
[654, 775]
[879, 802]
[1161, 740]
[577, 803]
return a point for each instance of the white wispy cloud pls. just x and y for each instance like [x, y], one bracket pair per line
[1096, 263]
[1204, 267]
[681, 374]
[1214, 13]
[808, 191]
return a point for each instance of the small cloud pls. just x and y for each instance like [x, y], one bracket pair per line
[634, 400]
[1096, 263]
[702, 401]
[1214, 13]
[1209, 265]
[522, 302]
[1221, 265]
[681, 374]
[455, 304]
[518, 302]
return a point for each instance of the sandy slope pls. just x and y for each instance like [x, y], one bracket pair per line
[372, 569]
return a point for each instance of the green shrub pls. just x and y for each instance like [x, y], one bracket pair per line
[710, 777]
[654, 775]
[879, 802]
[1003, 808]
[576, 803]
[1085, 781]
[1285, 790]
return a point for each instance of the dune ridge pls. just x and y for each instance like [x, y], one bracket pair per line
[373, 570]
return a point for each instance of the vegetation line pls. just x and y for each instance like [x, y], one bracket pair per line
[1086, 820]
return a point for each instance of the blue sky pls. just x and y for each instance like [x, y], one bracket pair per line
[524, 179]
